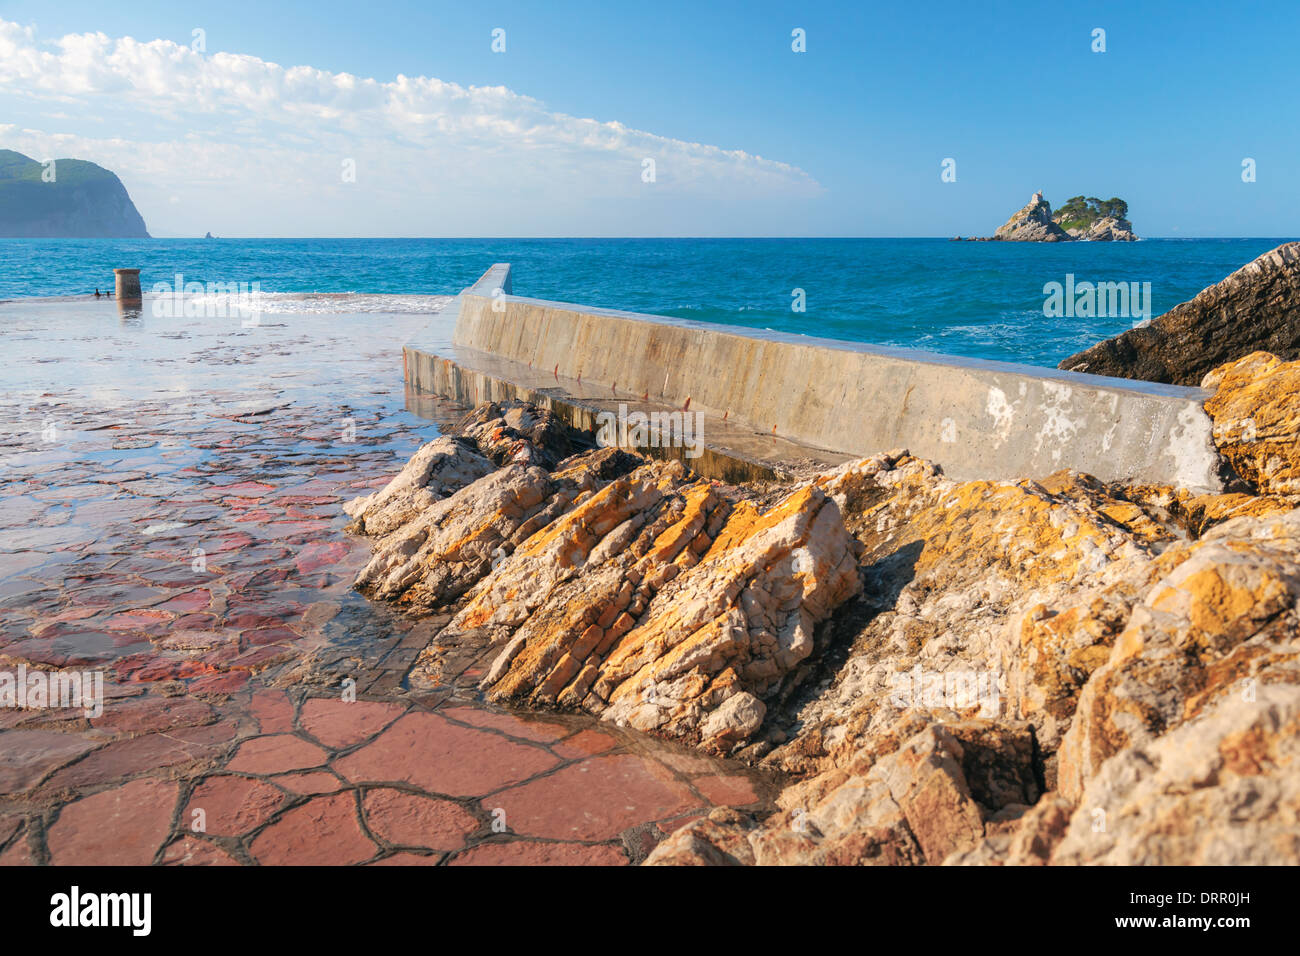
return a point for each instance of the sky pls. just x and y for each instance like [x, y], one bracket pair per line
[331, 118]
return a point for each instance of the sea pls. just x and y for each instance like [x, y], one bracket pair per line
[977, 299]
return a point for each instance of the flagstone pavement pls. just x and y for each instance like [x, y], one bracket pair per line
[266, 779]
[183, 538]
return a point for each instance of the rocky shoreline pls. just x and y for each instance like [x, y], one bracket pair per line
[1049, 671]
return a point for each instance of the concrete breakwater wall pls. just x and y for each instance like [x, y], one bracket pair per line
[977, 419]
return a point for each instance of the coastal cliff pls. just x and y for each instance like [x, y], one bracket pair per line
[1257, 308]
[1080, 219]
[70, 198]
[949, 671]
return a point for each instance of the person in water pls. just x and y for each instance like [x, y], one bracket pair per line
[97, 294]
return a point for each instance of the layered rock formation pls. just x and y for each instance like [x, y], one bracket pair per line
[1257, 308]
[1050, 671]
[1107, 229]
[71, 198]
[624, 587]
[1033, 223]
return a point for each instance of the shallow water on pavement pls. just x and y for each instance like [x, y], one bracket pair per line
[170, 517]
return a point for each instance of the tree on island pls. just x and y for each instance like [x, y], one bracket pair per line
[1081, 212]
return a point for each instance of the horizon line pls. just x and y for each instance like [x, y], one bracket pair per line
[625, 238]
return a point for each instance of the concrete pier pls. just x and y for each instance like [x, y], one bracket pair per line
[128, 286]
[771, 397]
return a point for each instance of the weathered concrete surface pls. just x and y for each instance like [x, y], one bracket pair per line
[976, 419]
[730, 451]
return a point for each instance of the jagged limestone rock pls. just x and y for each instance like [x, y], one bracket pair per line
[1257, 420]
[1033, 223]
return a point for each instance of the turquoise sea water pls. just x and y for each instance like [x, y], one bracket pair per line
[962, 298]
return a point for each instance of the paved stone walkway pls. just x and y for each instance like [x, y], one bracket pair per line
[170, 517]
[264, 779]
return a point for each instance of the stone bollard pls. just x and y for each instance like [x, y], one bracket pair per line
[128, 286]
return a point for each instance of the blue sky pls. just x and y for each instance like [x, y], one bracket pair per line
[851, 134]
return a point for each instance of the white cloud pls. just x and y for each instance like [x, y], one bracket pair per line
[255, 147]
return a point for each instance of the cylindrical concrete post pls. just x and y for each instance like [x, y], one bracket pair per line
[128, 286]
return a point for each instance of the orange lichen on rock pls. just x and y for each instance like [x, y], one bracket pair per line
[707, 590]
[1257, 420]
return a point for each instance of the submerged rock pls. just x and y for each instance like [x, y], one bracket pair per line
[1256, 308]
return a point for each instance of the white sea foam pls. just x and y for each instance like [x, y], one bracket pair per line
[299, 303]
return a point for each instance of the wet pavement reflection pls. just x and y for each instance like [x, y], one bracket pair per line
[170, 518]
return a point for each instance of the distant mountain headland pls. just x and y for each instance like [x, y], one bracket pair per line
[64, 198]
[1082, 218]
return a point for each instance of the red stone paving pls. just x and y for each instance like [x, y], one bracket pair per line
[407, 819]
[431, 753]
[277, 753]
[317, 556]
[279, 810]
[125, 758]
[153, 713]
[18, 854]
[726, 791]
[230, 806]
[27, 755]
[594, 800]
[325, 830]
[195, 554]
[273, 710]
[195, 600]
[339, 724]
[119, 827]
[539, 730]
[521, 853]
[308, 783]
[189, 851]
[410, 859]
[585, 743]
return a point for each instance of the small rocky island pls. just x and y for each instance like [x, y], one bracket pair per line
[64, 199]
[1085, 219]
